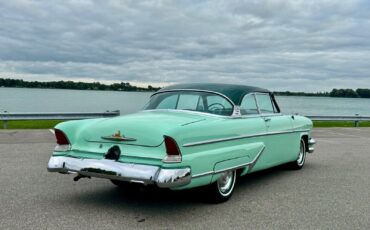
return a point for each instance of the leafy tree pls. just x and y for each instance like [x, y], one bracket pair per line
[364, 93]
[343, 93]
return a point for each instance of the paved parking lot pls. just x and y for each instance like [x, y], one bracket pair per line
[332, 191]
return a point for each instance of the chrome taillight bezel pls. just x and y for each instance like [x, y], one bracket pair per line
[62, 148]
[172, 159]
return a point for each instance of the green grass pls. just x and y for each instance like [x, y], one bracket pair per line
[32, 124]
[48, 124]
[323, 124]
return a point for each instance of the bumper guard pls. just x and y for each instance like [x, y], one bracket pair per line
[311, 143]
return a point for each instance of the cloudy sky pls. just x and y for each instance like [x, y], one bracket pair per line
[277, 44]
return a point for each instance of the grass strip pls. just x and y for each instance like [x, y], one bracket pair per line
[328, 124]
[32, 124]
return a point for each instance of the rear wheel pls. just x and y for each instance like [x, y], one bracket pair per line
[298, 164]
[221, 190]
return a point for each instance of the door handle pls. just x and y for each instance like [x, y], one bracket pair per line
[267, 119]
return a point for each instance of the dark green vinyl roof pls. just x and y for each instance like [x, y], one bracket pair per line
[234, 92]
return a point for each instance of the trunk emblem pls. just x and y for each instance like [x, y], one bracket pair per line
[117, 134]
[118, 137]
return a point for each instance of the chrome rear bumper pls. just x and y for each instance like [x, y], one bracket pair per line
[110, 169]
[311, 143]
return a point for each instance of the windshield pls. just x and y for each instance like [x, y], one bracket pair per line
[191, 100]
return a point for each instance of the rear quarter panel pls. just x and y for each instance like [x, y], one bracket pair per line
[211, 157]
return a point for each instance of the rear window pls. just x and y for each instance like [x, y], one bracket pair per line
[191, 100]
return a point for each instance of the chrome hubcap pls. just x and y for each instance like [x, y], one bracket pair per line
[226, 183]
[301, 155]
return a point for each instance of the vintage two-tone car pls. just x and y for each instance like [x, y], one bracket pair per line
[188, 135]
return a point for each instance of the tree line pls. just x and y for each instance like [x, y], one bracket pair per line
[123, 86]
[358, 93]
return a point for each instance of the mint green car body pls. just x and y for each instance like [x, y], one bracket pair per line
[210, 144]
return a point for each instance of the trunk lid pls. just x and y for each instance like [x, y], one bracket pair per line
[146, 127]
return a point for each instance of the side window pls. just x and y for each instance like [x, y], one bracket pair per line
[168, 102]
[265, 103]
[219, 105]
[188, 102]
[196, 101]
[248, 105]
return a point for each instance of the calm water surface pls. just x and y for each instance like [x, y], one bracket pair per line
[58, 100]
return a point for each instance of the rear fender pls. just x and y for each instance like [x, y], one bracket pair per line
[246, 162]
[206, 166]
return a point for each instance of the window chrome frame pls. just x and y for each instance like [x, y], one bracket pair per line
[255, 100]
[271, 100]
[236, 108]
[261, 114]
[236, 111]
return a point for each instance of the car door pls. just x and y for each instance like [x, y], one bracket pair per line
[253, 124]
[279, 137]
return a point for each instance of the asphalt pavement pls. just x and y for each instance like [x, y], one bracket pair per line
[332, 191]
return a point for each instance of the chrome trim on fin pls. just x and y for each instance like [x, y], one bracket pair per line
[239, 137]
[250, 166]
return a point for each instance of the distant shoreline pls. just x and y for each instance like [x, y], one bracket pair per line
[107, 90]
[123, 86]
[127, 87]
[343, 93]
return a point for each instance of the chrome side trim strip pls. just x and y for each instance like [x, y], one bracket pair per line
[192, 122]
[191, 144]
[232, 168]
[250, 166]
[203, 174]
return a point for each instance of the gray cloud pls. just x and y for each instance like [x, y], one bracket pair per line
[278, 44]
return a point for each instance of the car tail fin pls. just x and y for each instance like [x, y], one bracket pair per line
[63, 143]
[172, 150]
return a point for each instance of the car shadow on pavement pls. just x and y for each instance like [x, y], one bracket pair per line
[144, 196]
[150, 197]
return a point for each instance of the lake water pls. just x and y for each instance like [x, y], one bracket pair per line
[58, 100]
